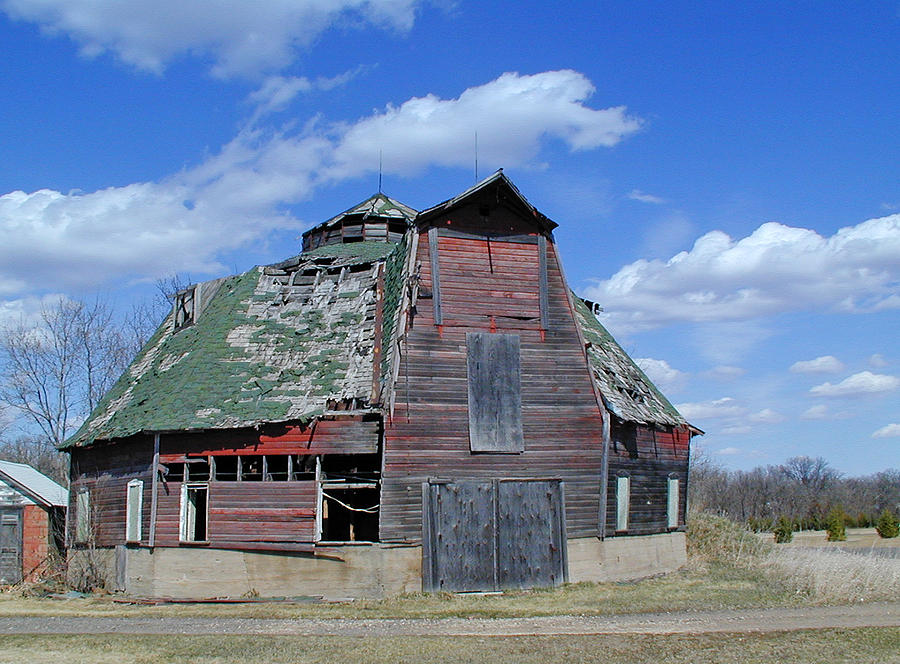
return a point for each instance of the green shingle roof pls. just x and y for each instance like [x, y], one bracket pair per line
[278, 343]
[626, 390]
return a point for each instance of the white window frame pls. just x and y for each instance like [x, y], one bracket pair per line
[623, 502]
[134, 503]
[83, 516]
[188, 514]
[673, 500]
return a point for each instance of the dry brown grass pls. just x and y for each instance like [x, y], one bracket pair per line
[804, 647]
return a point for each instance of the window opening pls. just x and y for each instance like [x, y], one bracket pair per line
[348, 490]
[194, 502]
[134, 502]
[673, 500]
[226, 468]
[175, 472]
[185, 308]
[252, 468]
[277, 468]
[623, 498]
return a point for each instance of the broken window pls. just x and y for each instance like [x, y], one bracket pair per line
[673, 500]
[226, 468]
[623, 500]
[185, 307]
[133, 503]
[194, 502]
[348, 498]
[494, 395]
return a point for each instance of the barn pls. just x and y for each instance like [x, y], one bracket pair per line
[32, 520]
[416, 401]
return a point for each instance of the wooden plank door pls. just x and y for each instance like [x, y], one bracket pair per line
[10, 545]
[491, 535]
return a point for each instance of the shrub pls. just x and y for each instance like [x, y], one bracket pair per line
[784, 531]
[834, 525]
[715, 538]
[888, 526]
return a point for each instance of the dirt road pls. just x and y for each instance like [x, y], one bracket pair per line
[750, 620]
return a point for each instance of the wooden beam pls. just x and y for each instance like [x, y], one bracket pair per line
[544, 284]
[435, 274]
[155, 489]
[379, 335]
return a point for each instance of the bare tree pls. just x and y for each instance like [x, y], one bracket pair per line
[56, 371]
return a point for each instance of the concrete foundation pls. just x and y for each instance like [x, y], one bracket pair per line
[625, 558]
[341, 572]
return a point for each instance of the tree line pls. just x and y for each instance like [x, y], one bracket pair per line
[56, 366]
[804, 490]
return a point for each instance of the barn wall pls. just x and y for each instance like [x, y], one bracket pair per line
[428, 434]
[650, 458]
[36, 541]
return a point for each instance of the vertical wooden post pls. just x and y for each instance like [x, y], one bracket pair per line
[379, 335]
[155, 489]
[435, 274]
[604, 472]
[544, 284]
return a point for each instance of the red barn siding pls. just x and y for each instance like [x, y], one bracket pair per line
[428, 435]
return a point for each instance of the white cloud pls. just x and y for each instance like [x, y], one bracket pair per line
[276, 92]
[864, 382]
[889, 431]
[775, 269]
[735, 430]
[725, 372]
[242, 38]
[706, 410]
[638, 195]
[237, 196]
[661, 373]
[823, 364]
[877, 360]
[767, 416]
[728, 451]
[512, 114]
[819, 412]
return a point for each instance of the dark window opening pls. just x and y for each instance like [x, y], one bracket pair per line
[252, 468]
[351, 468]
[197, 470]
[194, 500]
[226, 468]
[277, 468]
[349, 515]
[175, 472]
[624, 434]
[303, 467]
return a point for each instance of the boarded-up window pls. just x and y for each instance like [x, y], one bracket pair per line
[495, 397]
[83, 516]
[623, 499]
[673, 497]
[133, 503]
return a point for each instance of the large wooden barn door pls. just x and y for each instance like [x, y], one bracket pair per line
[10, 545]
[491, 535]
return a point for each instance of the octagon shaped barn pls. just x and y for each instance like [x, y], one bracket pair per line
[417, 401]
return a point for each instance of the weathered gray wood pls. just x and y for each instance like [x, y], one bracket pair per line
[543, 283]
[435, 274]
[154, 496]
[530, 536]
[494, 534]
[494, 393]
[10, 545]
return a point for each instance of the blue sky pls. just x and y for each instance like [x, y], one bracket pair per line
[725, 179]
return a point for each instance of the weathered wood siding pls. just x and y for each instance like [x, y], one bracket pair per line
[656, 455]
[428, 434]
[244, 513]
[105, 470]
[239, 512]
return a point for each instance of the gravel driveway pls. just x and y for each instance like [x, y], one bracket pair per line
[749, 620]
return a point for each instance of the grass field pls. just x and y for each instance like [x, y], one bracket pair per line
[805, 647]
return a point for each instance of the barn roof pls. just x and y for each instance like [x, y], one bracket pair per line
[33, 484]
[279, 343]
[627, 392]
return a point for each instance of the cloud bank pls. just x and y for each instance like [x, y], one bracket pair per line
[775, 269]
[241, 194]
[241, 38]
